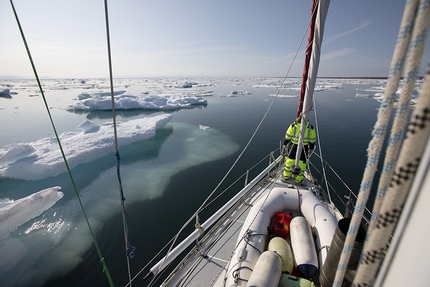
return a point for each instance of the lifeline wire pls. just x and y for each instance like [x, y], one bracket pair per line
[324, 175]
[102, 260]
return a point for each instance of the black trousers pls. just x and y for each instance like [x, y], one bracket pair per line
[293, 152]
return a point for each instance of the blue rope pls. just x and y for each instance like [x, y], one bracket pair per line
[131, 250]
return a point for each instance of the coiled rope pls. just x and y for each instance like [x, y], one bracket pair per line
[102, 260]
[410, 22]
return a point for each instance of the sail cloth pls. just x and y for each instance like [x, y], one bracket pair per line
[406, 167]
[322, 11]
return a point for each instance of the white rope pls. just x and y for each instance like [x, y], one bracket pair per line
[398, 185]
[378, 135]
[399, 125]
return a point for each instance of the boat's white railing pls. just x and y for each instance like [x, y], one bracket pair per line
[174, 253]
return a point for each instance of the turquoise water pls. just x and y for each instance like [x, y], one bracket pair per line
[166, 178]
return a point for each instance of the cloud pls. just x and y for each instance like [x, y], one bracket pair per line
[339, 53]
[363, 24]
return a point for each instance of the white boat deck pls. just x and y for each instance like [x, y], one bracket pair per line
[208, 264]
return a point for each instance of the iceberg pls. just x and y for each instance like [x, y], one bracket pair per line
[42, 158]
[127, 102]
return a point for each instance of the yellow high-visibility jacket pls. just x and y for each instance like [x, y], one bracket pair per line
[293, 134]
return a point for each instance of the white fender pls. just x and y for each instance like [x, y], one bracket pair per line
[303, 246]
[267, 271]
[283, 249]
[255, 228]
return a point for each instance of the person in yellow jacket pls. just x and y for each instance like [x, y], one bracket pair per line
[292, 136]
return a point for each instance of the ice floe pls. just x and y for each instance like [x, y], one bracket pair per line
[42, 158]
[87, 102]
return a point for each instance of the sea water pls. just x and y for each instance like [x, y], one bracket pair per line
[166, 178]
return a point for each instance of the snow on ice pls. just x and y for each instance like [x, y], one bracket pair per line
[142, 101]
[42, 158]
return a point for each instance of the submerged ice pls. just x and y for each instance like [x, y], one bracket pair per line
[42, 158]
[53, 244]
[16, 212]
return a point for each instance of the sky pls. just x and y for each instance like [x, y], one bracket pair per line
[196, 38]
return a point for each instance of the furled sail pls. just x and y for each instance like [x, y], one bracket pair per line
[316, 32]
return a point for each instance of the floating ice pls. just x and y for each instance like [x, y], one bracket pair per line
[15, 213]
[42, 158]
[186, 85]
[380, 91]
[54, 244]
[284, 96]
[363, 95]
[236, 93]
[5, 93]
[142, 101]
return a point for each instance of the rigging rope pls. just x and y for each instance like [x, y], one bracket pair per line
[398, 129]
[399, 125]
[380, 127]
[408, 160]
[102, 260]
[130, 250]
[321, 155]
[420, 126]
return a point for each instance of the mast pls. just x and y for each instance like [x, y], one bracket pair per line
[319, 14]
[307, 56]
